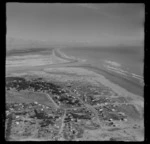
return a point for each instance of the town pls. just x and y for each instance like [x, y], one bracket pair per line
[72, 109]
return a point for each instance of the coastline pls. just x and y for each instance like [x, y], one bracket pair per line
[67, 61]
[91, 76]
[129, 85]
[82, 72]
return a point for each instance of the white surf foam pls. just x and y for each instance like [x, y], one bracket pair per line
[113, 63]
[117, 68]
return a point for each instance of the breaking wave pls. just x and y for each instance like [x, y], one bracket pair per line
[119, 69]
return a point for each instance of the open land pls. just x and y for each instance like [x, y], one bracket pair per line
[52, 98]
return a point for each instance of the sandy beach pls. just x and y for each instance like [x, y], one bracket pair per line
[74, 72]
[90, 76]
[58, 59]
[60, 69]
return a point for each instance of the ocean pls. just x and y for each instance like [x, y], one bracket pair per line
[128, 59]
[125, 62]
[123, 66]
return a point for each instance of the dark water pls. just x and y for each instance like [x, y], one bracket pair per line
[130, 58]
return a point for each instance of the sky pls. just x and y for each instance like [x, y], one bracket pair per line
[91, 24]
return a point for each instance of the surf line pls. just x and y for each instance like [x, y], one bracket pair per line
[61, 54]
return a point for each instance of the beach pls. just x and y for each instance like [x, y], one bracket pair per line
[59, 59]
[74, 72]
[63, 64]
[63, 69]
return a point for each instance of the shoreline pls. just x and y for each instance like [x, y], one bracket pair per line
[87, 76]
[129, 85]
[116, 79]
[92, 76]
